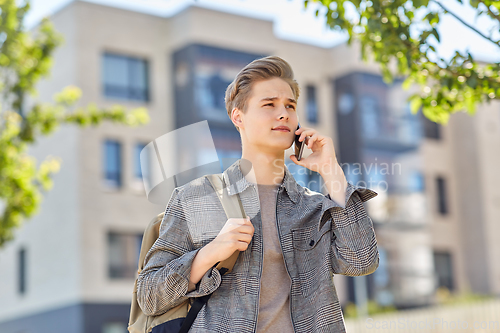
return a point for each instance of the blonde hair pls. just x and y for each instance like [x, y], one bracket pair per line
[238, 92]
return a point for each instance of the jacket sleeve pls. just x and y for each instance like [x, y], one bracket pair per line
[354, 246]
[163, 283]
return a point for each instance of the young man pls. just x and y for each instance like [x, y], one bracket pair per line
[292, 243]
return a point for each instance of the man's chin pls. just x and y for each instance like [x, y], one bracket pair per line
[281, 145]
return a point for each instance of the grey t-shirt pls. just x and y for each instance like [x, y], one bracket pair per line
[274, 307]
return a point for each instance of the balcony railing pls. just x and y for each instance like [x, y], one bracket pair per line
[395, 133]
[399, 208]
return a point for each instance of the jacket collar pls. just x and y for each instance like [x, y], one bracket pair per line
[238, 183]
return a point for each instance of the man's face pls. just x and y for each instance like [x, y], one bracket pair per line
[270, 105]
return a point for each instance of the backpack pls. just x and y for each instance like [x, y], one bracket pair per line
[180, 318]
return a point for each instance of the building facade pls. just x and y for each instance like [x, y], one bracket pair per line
[71, 267]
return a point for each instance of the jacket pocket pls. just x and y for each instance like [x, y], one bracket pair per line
[312, 256]
[308, 238]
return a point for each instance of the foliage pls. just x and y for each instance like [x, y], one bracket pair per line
[25, 58]
[401, 36]
[445, 297]
[373, 308]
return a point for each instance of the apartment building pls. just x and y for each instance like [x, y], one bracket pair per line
[71, 267]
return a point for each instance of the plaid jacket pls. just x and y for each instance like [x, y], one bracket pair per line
[318, 238]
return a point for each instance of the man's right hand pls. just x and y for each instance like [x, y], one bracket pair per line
[236, 234]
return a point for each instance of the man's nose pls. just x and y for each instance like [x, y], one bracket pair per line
[283, 113]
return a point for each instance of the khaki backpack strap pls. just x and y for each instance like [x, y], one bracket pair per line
[233, 208]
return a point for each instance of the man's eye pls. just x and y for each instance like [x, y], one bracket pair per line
[292, 106]
[270, 104]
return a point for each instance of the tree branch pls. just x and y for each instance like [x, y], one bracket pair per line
[467, 25]
[490, 11]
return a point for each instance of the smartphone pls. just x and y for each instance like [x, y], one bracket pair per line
[299, 146]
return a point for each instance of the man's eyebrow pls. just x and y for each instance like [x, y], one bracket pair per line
[291, 100]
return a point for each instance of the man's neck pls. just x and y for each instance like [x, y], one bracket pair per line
[263, 169]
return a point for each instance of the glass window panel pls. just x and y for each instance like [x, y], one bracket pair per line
[138, 79]
[417, 182]
[138, 73]
[125, 77]
[218, 89]
[441, 193]
[346, 103]
[138, 244]
[22, 271]
[115, 71]
[123, 254]
[432, 130]
[444, 270]
[138, 169]
[209, 93]
[112, 163]
[369, 116]
[203, 96]
[312, 106]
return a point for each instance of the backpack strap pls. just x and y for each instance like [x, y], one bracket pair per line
[234, 209]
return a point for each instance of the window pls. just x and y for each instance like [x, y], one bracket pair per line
[444, 269]
[416, 182]
[370, 117]
[201, 75]
[312, 105]
[123, 254]
[125, 77]
[138, 168]
[432, 130]
[210, 89]
[410, 128]
[22, 271]
[441, 193]
[112, 163]
[217, 87]
[346, 103]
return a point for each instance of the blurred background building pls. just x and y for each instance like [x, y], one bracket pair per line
[71, 268]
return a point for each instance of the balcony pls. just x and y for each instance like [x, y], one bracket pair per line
[389, 132]
[399, 208]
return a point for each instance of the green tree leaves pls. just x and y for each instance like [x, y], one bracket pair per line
[25, 58]
[391, 32]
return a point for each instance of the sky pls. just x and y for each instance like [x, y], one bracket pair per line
[293, 22]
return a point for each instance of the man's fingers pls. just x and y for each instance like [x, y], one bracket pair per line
[306, 133]
[294, 160]
[246, 229]
[311, 140]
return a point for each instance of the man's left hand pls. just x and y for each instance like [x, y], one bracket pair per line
[323, 156]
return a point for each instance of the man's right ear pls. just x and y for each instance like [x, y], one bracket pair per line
[236, 117]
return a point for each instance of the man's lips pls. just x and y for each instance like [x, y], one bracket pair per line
[281, 129]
